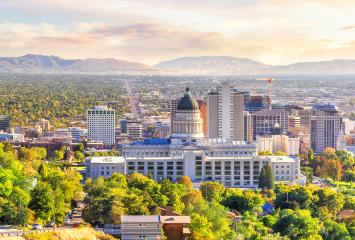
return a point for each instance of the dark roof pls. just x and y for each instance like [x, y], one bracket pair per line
[187, 103]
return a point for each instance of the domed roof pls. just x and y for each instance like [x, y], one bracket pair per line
[187, 103]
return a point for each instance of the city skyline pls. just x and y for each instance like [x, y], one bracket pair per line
[270, 31]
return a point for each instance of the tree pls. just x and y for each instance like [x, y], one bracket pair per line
[212, 191]
[330, 199]
[310, 155]
[79, 156]
[42, 201]
[243, 201]
[266, 178]
[298, 224]
[280, 153]
[264, 153]
[58, 155]
[349, 176]
[334, 231]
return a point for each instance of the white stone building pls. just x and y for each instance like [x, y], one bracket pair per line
[104, 166]
[280, 142]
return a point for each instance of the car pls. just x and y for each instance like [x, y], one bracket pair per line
[74, 211]
[67, 220]
[50, 224]
[36, 226]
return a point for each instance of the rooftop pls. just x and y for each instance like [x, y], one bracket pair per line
[107, 159]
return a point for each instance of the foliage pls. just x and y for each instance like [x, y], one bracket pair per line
[212, 191]
[266, 178]
[298, 224]
[243, 201]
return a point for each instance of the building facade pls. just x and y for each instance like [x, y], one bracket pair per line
[265, 121]
[101, 125]
[225, 113]
[325, 124]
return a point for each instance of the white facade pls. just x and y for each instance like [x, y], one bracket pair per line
[104, 166]
[234, 164]
[274, 143]
[101, 125]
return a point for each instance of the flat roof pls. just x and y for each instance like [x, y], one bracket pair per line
[140, 219]
[175, 219]
[107, 159]
[280, 159]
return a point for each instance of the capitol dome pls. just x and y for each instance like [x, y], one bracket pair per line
[187, 103]
[187, 122]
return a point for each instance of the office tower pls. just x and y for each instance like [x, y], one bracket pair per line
[101, 125]
[294, 124]
[202, 105]
[4, 122]
[225, 113]
[264, 122]
[325, 127]
[173, 104]
[134, 129]
[248, 127]
[254, 103]
[212, 115]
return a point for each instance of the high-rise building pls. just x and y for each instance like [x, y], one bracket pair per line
[77, 133]
[203, 113]
[248, 127]
[225, 113]
[212, 115]
[325, 127]
[4, 122]
[134, 129]
[101, 125]
[173, 104]
[254, 103]
[264, 122]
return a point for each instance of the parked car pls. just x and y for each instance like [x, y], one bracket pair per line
[50, 224]
[36, 226]
[74, 211]
[67, 220]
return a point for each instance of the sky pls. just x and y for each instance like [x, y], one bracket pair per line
[271, 31]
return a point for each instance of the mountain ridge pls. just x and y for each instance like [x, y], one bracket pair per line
[219, 65]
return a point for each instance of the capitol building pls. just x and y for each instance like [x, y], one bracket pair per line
[189, 152]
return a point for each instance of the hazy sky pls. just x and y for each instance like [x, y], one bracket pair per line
[271, 31]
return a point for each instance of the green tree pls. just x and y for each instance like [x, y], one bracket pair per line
[298, 224]
[42, 201]
[212, 191]
[266, 178]
[58, 155]
[334, 231]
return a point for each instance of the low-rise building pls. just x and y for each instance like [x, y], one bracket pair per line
[152, 227]
[280, 142]
[104, 166]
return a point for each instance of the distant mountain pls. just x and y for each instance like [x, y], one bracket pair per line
[230, 65]
[213, 64]
[219, 65]
[39, 63]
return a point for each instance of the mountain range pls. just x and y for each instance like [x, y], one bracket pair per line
[219, 65]
[32, 63]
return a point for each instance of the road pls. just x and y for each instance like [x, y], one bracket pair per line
[74, 222]
[133, 101]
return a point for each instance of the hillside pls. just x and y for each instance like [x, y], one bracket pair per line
[230, 65]
[40, 63]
